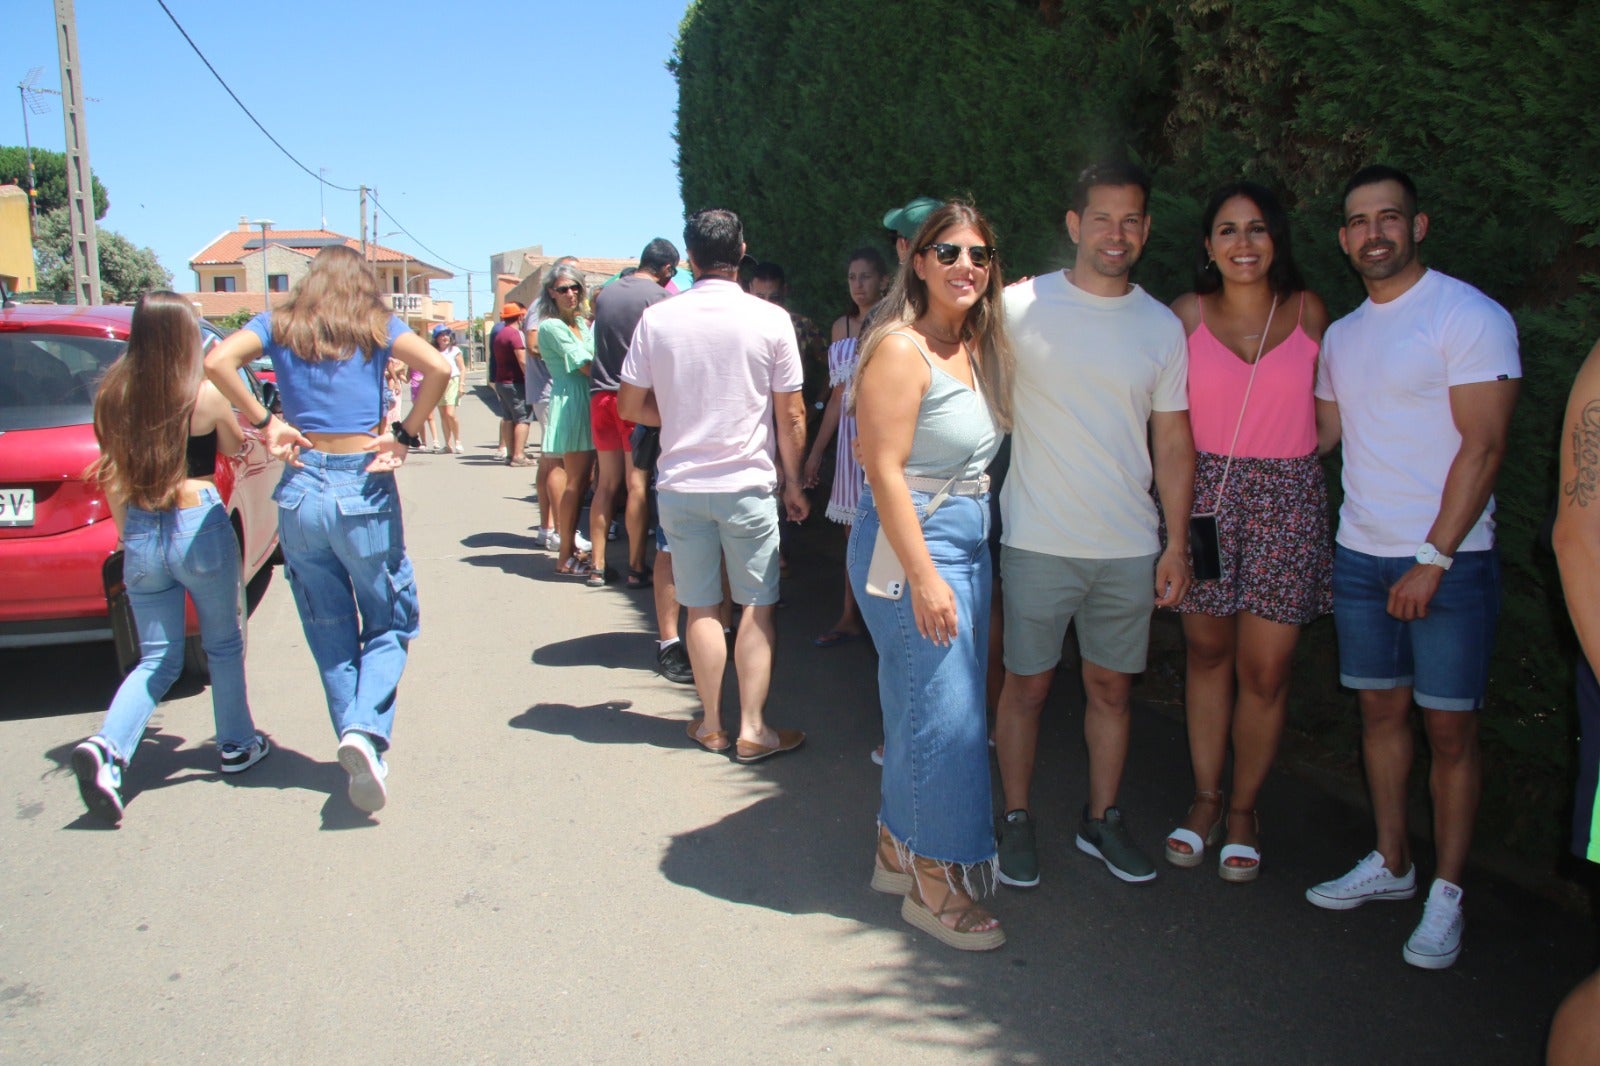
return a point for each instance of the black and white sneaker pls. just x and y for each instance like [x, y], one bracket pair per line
[673, 662]
[236, 759]
[367, 770]
[99, 779]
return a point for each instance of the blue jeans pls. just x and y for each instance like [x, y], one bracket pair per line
[935, 793]
[345, 556]
[164, 555]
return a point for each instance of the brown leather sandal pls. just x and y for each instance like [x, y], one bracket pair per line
[715, 742]
[889, 874]
[963, 936]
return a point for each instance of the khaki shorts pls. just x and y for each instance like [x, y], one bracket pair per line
[1111, 600]
[708, 529]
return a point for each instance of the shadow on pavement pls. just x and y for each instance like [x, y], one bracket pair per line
[603, 723]
[613, 651]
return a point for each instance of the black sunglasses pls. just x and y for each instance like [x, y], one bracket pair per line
[564, 289]
[947, 254]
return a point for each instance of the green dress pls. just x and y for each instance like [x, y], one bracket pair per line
[564, 353]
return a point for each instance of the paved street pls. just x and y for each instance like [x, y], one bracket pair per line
[560, 876]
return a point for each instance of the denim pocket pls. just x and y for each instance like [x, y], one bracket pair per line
[141, 549]
[289, 493]
[208, 553]
[406, 619]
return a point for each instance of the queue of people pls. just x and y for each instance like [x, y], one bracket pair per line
[1160, 458]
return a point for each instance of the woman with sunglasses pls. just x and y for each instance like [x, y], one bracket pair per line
[161, 425]
[1254, 334]
[567, 347]
[344, 552]
[932, 395]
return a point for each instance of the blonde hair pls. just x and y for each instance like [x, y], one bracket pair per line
[984, 329]
[145, 402]
[334, 311]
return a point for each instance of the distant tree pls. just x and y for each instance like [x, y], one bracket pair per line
[50, 178]
[125, 271]
[236, 320]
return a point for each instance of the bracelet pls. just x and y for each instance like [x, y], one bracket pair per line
[263, 423]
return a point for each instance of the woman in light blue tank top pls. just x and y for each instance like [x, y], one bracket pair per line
[932, 397]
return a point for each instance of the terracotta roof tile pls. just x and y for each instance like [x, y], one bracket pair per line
[230, 247]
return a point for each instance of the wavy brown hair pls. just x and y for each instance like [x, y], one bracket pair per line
[145, 402]
[334, 311]
[984, 329]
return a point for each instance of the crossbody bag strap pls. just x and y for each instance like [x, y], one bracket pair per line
[1261, 348]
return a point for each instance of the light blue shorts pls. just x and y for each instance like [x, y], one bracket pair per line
[704, 528]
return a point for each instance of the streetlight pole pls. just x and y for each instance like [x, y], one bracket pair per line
[266, 278]
[405, 274]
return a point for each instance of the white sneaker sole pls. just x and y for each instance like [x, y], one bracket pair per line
[367, 790]
[1337, 903]
[1122, 875]
[240, 767]
[1431, 962]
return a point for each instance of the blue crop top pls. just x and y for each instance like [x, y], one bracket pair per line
[334, 395]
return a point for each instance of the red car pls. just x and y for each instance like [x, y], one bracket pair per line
[59, 563]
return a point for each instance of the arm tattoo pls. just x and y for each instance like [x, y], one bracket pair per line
[1585, 483]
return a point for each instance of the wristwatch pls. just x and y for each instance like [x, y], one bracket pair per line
[411, 440]
[1428, 555]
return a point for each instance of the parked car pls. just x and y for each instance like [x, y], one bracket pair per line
[261, 367]
[59, 563]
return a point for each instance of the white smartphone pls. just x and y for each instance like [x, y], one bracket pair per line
[886, 578]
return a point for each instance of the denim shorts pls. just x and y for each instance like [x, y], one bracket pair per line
[708, 528]
[1444, 656]
[513, 408]
[1111, 599]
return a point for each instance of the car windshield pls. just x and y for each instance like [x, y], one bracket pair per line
[49, 379]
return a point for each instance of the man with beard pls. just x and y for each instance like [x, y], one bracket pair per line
[1419, 381]
[1101, 406]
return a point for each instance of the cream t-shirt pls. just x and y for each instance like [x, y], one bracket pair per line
[1090, 370]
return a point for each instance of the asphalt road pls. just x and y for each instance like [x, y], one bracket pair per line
[560, 876]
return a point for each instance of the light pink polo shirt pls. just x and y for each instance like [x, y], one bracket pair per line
[714, 356]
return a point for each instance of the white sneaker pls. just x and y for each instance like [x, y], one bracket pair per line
[236, 759]
[581, 542]
[1437, 942]
[500, 455]
[456, 447]
[1369, 880]
[99, 779]
[366, 769]
[547, 538]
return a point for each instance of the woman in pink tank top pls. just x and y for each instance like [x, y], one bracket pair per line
[1254, 334]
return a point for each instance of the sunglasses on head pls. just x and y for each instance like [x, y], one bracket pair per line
[562, 290]
[947, 254]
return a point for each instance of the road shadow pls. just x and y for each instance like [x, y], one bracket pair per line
[604, 723]
[611, 651]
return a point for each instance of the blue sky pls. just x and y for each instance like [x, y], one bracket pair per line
[484, 125]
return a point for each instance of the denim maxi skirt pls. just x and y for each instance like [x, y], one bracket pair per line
[936, 797]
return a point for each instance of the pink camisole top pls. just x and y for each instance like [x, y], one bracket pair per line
[1281, 420]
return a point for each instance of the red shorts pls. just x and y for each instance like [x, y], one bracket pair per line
[611, 433]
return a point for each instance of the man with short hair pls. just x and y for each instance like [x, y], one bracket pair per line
[1101, 405]
[617, 308]
[770, 283]
[719, 371]
[1419, 382]
[506, 372]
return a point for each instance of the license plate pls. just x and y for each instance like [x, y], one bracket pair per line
[16, 507]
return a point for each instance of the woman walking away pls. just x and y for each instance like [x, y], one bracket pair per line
[932, 397]
[567, 347]
[450, 425]
[338, 507]
[1254, 334]
[160, 425]
[868, 277]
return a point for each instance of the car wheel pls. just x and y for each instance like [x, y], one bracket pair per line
[194, 652]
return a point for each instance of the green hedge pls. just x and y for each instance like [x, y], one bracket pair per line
[812, 119]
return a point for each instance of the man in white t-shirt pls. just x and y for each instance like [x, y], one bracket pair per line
[1420, 381]
[719, 371]
[1101, 406]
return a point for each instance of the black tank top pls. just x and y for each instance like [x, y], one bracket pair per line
[201, 455]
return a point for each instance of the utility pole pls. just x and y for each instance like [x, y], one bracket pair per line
[80, 185]
[472, 344]
[363, 221]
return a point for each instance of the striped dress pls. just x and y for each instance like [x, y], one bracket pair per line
[845, 499]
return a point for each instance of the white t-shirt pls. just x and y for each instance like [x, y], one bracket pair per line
[714, 356]
[1390, 367]
[1090, 370]
[451, 354]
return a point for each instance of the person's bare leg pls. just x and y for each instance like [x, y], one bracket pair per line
[1106, 719]
[1386, 751]
[666, 596]
[1455, 781]
[1209, 648]
[607, 483]
[505, 436]
[1575, 1032]
[519, 439]
[752, 663]
[636, 512]
[549, 481]
[450, 426]
[1016, 733]
[1266, 653]
[708, 657]
[995, 680]
[577, 467]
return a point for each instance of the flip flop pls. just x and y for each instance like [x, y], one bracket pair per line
[834, 637]
[716, 743]
[749, 751]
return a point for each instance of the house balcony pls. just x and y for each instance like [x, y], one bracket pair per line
[411, 305]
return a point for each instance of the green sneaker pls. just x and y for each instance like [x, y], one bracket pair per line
[1107, 839]
[1019, 854]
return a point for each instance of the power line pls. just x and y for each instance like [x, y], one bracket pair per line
[390, 216]
[246, 110]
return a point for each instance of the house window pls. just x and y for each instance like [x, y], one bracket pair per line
[277, 283]
[222, 284]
